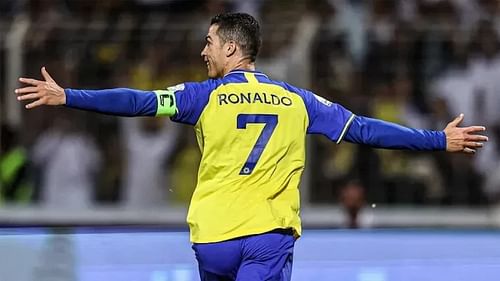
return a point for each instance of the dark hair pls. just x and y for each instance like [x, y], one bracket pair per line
[241, 28]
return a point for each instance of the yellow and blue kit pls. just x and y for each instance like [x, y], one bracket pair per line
[251, 131]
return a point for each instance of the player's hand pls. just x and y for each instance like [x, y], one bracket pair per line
[41, 92]
[463, 139]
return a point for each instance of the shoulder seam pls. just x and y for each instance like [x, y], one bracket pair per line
[218, 83]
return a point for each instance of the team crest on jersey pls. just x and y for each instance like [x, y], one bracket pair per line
[323, 100]
[178, 87]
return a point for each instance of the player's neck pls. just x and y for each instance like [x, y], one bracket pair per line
[240, 65]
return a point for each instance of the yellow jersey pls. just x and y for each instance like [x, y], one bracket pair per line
[251, 131]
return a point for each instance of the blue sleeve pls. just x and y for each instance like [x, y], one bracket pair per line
[325, 117]
[191, 98]
[119, 101]
[382, 134]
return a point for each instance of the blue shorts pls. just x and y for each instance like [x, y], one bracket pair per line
[262, 257]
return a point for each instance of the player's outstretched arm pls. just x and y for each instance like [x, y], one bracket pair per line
[119, 101]
[382, 134]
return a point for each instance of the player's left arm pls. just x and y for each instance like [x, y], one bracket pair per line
[118, 101]
[337, 123]
[379, 133]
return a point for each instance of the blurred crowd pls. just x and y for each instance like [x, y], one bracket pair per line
[419, 63]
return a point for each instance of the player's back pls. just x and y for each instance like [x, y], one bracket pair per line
[251, 131]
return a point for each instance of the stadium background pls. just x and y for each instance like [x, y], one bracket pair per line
[414, 62]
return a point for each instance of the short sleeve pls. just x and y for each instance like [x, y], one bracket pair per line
[191, 98]
[327, 118]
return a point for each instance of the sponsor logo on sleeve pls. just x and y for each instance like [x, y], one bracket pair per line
[176, 88]
[323, 100]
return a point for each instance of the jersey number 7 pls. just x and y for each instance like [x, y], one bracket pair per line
[271, 120]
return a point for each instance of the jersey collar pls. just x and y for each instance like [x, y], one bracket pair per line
[241, 71]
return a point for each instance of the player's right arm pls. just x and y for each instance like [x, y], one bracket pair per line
[119, 101]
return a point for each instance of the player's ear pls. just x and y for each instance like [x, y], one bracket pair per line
[230, 48]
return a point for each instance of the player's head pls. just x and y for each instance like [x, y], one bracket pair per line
[231, 38]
